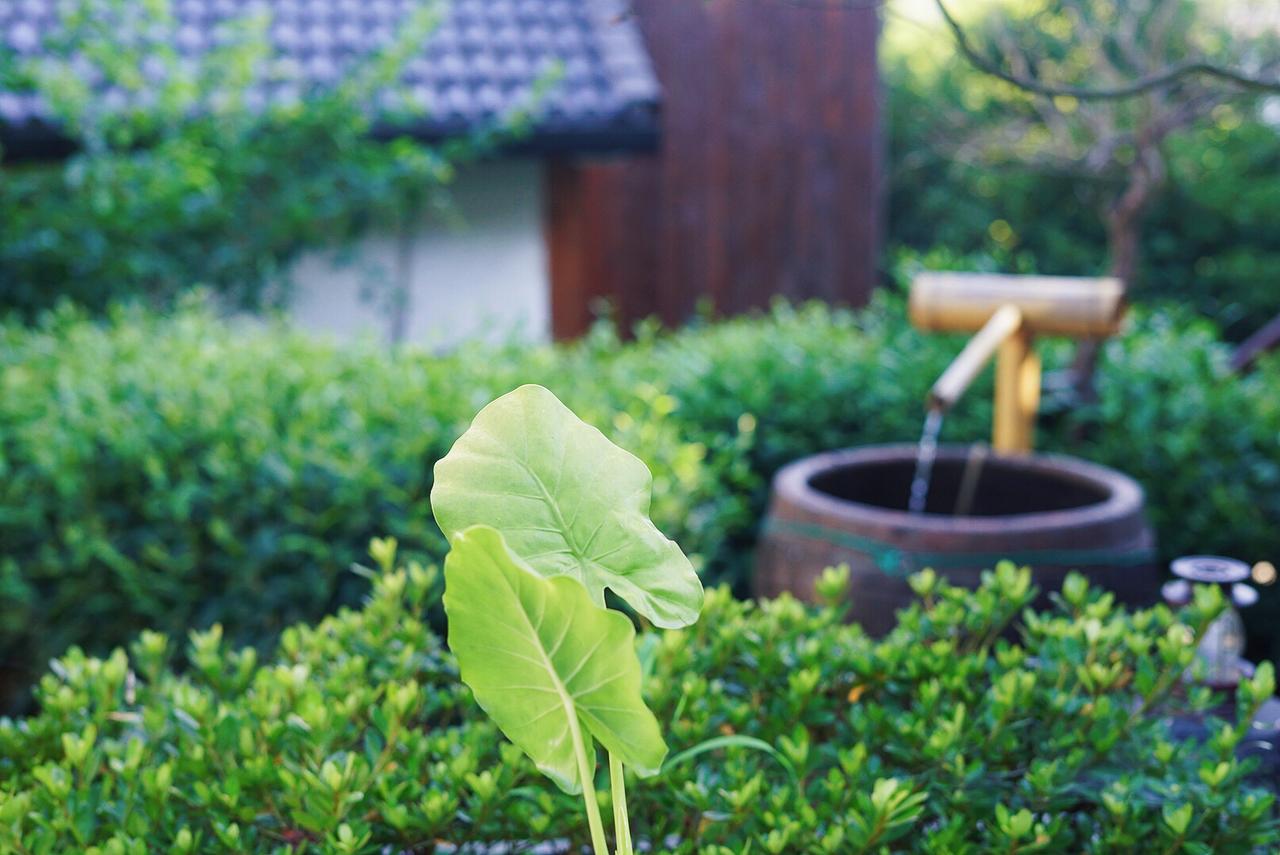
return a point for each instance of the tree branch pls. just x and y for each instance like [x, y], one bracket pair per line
[1256, 346]
[1147, 83]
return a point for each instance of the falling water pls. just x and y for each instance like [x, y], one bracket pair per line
[925, 456]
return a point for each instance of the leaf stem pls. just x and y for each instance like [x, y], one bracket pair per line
[598, 843]
[621, 823]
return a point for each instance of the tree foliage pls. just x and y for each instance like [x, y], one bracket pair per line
[185, 173]
[1033, 182]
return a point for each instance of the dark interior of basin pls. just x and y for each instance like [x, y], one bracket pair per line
[1003, 488]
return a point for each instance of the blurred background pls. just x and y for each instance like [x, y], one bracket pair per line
[262, 260]
[359, 165]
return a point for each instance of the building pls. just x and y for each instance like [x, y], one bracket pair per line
[691, 152]
[768, 179]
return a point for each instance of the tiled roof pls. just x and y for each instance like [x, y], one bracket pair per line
[475, 67]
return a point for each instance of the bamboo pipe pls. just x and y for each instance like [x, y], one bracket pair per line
[960, 374]
[1074, 306]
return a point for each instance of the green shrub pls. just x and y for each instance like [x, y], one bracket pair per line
[1201, 441]
[170, 473]
[173, 473]
[795, 733]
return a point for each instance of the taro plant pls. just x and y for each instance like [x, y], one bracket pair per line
[544, 514]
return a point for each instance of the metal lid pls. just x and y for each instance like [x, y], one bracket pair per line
[1211, 569]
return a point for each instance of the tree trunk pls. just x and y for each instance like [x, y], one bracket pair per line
[1123, 242]
[1124, 249]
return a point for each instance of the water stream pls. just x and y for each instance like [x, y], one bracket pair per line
[927, 453]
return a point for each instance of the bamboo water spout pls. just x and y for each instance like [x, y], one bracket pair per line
[1007, 312]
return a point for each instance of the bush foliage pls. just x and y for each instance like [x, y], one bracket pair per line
[796, 733]
[169, 473]
[175, 473]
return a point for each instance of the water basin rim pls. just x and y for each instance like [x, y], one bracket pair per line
[1123, 494]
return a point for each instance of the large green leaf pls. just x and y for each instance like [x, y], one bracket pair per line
[540, 658]
[568, 501]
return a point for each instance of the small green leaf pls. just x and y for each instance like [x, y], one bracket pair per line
[924, 583]
[568, 501]
[832, 586]
[1263, 683]
[1177, 819]
[1075, 589]
[541, 659]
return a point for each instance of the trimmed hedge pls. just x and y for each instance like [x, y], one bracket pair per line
[357, 737]
[169, 473]
[172, 473]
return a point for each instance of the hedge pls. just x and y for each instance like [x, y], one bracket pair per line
[170, 473]
[167, 473]
[791, 731]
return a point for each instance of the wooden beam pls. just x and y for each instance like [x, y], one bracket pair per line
[569, 249]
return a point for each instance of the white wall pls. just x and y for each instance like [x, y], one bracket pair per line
[486, 276]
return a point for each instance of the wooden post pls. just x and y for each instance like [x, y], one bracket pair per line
[1017, 394]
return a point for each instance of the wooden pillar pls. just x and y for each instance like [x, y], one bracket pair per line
[766, 183]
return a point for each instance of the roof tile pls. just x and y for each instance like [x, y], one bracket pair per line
[480, 63]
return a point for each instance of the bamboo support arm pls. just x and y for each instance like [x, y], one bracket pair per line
[960, 374]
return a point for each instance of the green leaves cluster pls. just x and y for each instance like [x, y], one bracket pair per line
[356, 736]
[190, 181]
[192, 471]
[544, 514]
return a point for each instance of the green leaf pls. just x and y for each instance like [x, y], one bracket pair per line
[738, 740]
[542, 660]
[568, 501]
[1177, 819]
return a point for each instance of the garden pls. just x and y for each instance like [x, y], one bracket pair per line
[268, 591]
